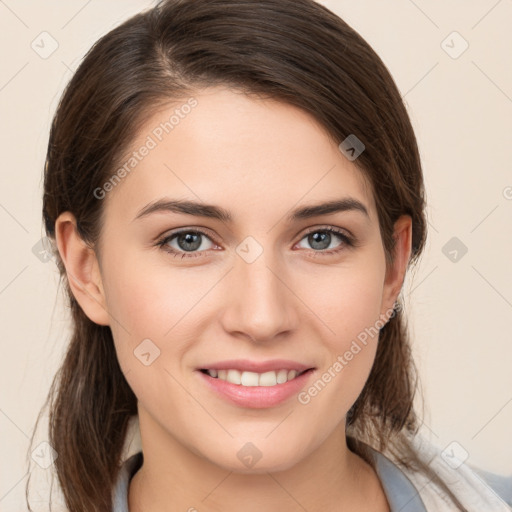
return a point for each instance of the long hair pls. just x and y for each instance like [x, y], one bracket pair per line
[295, 51]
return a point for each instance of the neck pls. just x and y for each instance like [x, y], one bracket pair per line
[172, 477]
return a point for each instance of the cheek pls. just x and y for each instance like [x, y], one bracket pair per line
[153, 302]
[136, 303]
[348, 303]
[347, 300]
[145, 298]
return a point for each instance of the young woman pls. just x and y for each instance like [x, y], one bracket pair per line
[235, 194]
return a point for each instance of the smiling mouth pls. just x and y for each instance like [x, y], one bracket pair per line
[251, 379]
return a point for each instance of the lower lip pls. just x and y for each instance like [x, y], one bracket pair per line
[256, 397]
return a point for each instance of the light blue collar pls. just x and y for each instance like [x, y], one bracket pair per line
[400, 492]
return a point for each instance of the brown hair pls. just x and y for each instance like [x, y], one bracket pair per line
[295, 51]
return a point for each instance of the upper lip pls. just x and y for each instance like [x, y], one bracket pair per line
[257, 366]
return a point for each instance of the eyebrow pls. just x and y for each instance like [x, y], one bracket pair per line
[216, 212]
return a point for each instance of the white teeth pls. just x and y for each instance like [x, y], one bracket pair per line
[268, 379]
[271, 378]
[248, 379]
[234, 376]
[282, 376]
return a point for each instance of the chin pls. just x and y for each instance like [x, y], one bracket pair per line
[259, 457]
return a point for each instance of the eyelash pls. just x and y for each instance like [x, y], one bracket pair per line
[348, 242]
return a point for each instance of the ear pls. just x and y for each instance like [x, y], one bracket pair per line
[82, 269]
[395, 274]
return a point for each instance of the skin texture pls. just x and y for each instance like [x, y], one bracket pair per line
[259, 159]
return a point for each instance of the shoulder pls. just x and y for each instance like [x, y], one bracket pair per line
[477, 490]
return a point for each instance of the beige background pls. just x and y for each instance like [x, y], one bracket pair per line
[461, 311]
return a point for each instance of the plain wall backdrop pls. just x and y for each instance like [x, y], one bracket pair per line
[452, 64]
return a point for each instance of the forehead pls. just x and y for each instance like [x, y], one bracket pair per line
[244, 153]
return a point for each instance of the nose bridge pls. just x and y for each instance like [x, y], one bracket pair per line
[260, 304]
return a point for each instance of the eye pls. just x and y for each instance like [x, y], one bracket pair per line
[187, 243]
[321, 239]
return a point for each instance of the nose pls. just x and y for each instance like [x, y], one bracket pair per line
[261, 303]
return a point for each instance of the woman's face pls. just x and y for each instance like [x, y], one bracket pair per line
[268, 290]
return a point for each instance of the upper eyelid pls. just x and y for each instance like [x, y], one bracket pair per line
[335, 229]
[203, 231]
